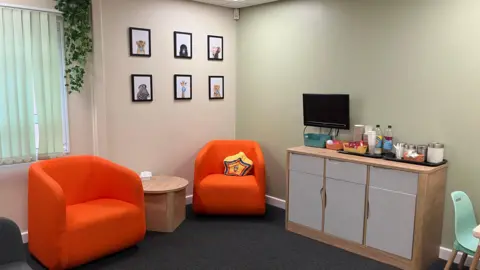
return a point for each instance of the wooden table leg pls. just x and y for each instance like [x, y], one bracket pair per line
[475, 259]
[452, 258]
[461, 264]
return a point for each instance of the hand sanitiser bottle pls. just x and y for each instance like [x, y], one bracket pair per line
[378, 146]
[388, 140]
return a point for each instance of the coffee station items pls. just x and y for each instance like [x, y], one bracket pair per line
[422, 150]
[409, 148]
[358, 132]
[378, 146]
[335, 145]
[372, 142]
[435, 153]
[414, 156]
[355, 147]
[410, 153]
[365, 133]
[420, 154]
[388, 140]
[399, 149]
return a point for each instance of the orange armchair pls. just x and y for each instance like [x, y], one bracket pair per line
[215, 193]
[81, 208]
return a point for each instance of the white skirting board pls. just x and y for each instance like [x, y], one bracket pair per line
[25, 237]
[189, 199]
[273, 201]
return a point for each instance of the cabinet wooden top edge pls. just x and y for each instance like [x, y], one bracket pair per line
[332, 154]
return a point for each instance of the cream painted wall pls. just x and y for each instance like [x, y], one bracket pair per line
[412, 64]
[163, 136]
[14, 179]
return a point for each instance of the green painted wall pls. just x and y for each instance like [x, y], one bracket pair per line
[412, 64]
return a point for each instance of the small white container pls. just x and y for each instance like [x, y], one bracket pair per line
[372, 141]
[358, 132]
[145, 176]
[436, 152]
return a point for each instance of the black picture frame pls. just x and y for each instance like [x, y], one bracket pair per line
[135, 96]
[209, 49]
[131, 41]
[178, 54]
[175, 85]
[213, 97]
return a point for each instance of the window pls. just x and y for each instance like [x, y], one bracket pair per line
[33, 108]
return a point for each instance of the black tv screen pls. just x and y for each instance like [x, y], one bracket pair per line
[330, 111]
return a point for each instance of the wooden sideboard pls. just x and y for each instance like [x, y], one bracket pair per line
[388, 211]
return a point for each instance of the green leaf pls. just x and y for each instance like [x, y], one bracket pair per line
[78, 40]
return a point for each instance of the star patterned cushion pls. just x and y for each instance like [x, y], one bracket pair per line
[237, 165]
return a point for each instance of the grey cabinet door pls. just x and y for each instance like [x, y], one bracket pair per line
[344, 210]
[404, 182]
[305, 200]
[390, 221]
[307, 164]
[347, 171]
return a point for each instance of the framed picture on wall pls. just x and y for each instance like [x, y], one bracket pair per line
[215, 48]
[142, 88]
[182, 87]
[216, 87]
[182, 45]
[140, 42]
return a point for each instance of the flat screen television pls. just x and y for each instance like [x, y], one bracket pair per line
[329, 111]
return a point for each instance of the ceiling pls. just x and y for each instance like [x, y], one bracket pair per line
[235, 3]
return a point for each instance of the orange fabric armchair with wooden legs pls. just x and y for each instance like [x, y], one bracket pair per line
[81, 208]
[216, 193]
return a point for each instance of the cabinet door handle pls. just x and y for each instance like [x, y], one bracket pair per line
[325, 199]
[368, 209]
[321, 194]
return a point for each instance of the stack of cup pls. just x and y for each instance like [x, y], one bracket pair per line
[372, 141]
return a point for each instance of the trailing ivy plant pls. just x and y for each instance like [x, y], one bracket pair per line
[78, 40]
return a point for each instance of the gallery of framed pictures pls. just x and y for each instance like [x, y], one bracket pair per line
[183, 46]
[216, 87]
[215, 48]
[182, 87]
[140, 42]
[142, 88]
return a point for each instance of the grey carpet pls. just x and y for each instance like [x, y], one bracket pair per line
[233, 243]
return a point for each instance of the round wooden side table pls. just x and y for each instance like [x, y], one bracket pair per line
[164, 202]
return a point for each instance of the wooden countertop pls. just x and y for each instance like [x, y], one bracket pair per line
[163, 184]
[331, 154]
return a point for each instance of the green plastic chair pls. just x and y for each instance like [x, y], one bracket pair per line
[465, 222]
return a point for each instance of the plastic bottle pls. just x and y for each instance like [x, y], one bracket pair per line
[388, 140]
[378, 147]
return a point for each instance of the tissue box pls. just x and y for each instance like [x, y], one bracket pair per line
[145, 176]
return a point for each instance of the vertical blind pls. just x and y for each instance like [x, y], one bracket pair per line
[31, 85]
